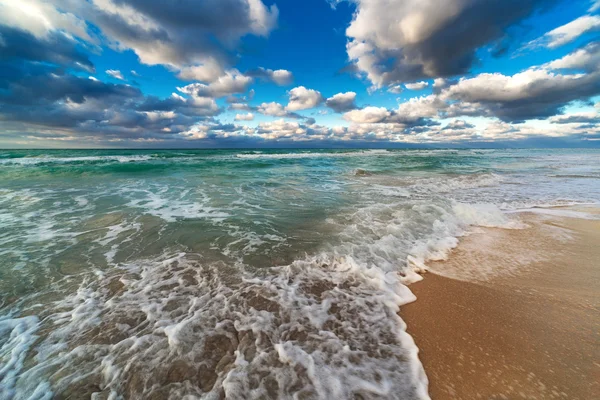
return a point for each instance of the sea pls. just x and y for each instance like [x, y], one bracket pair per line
[242, 274]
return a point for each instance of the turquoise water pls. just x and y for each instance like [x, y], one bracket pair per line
[249, 274]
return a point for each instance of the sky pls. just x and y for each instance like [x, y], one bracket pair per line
[310, 73]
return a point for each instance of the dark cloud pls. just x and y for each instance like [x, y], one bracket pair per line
[458, 124]
[342, 102]
[532, 94]
[189, 106]
[31, 84]
[413, 39]
[55, 48]
[280, 77]
[591, 118]
[185, 32]
[41, 88]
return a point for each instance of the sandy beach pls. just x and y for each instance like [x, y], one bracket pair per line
[514, 314]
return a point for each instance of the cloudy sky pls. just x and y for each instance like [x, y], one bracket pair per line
[310, 73]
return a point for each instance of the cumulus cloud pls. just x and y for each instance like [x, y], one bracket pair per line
[42, 43]
[179, 34]
[458, 124]
[43, 58]
[42, 19]
[440, 83]
[301, 98]
[576, 118]
[534, 93]
[413, 39]
[229, 83]
[568, 32]
[41, 95]
[586, 58]
[417, 85]
[280, 77]
[275, 109]
[368, 115]
[342, 102]
[191, 106]
[209, 71]
[244, 117]
[280, 129]
[115, 73]
[52, 47]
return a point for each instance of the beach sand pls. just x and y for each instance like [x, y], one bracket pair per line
[513, 314]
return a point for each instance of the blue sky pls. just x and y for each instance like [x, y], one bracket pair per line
[318, 73]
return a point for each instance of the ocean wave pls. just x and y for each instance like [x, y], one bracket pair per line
[68, 160]
[295, 155]
[323, 326]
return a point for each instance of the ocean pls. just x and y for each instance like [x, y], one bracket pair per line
[244, 274]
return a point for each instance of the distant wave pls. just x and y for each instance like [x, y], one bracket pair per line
[67, 160]
[361, 153]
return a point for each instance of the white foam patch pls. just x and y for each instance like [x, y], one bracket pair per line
[558, 212]
[169, 206]
[487, 215]
[445, 184]
[17, 335]
[323, 327]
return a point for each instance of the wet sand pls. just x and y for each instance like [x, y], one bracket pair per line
[527, 328]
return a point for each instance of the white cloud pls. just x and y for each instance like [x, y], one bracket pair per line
[210, 71]
[115, 73]
[576, 118]
[231, 82]
[367, 115]
[440, 83]
[587, 58]
[595, 6]
[240, 107]
[420, 107]
[458, 124]
[301, 98]
[417, 85]
[567, 33]
[342, 102]
[244, 117]
[40, 18]
[280, 129]
[273, 109]
[497, 87]
[396, 89]
[282, 77]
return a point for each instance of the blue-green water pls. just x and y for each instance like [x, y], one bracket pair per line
[245, 274]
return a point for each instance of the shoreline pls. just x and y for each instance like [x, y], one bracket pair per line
[513, 314]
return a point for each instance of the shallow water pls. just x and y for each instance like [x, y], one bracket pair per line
[245, 274]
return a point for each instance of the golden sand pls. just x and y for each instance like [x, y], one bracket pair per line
[527, 327]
